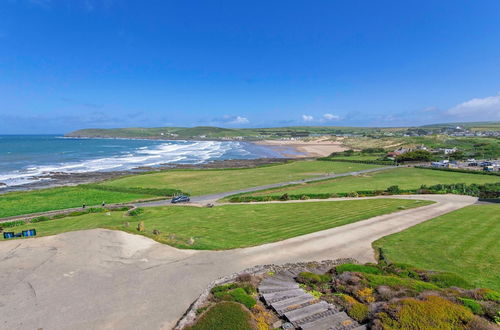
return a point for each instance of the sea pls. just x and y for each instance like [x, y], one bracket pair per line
[24, 158]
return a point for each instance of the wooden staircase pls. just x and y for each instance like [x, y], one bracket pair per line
[300, 308]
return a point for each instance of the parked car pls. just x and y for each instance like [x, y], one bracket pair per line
[180, 199]
[473, 164]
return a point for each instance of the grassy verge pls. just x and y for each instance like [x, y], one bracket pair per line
[464, 242]
[405, 178]
[18, 203]
[201, 182]
[230, 226]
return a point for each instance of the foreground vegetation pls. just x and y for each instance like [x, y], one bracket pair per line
[464, 242]
[18, 203]
[381, 296]
[403, 177]
[201, 182]
[398, 296]
[229, 226]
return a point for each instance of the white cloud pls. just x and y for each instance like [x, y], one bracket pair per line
[307, 118]
[239, 120]
[329, 116]
[478, 108]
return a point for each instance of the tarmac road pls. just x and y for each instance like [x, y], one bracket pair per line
[103, 279]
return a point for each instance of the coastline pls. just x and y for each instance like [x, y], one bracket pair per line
[310, 148]
[280, 151]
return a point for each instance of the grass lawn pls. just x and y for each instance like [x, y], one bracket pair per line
[224, 316]
[18, 203]
[231, 226]
[404, 177]
[465, 242]
[200, 182]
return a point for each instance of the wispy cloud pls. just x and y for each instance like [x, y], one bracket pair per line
[329, 116]
[239, 120]
[307, 118]
[480, 108]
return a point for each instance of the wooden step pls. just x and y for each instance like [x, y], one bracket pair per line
[293, 303]
[304, 312]
[277, 296]
[329, 322]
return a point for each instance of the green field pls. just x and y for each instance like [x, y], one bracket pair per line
[231, 226]
[404, 177]
[465, 242]
[18, 203]
[201, 182]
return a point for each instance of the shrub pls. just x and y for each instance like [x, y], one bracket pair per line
[39, 219]
[393, 190]
[223, 288]
[239, 295]
[366, 295]
[11, 224]
[285, 197]
[396, 282]
[357, 268]
[136, 212]
[432, 313]
[446, 280]
[358, 311]
[353, 194]
[224, 315]
[403, 270]
[473, 305]
[312, 278]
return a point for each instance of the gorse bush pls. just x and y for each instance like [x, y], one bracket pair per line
[431, 313]
[358, 311]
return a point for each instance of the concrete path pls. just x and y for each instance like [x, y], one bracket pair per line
[102, 279]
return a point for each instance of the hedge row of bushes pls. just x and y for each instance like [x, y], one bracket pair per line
[376, 162]
[489, 190]
[459, 170]
[16, 223]
[136, 190]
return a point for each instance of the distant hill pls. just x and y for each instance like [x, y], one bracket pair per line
[216, 133]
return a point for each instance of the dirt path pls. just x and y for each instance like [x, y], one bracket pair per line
[102, 279]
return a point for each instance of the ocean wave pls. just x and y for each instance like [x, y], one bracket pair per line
[189, 152]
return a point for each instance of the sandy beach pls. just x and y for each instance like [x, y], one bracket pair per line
[304, 148]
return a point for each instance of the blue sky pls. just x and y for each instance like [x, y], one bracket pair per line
[68, 64]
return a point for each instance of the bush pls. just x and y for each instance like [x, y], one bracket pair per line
[358, 311]
[399, 282]
[393, 190]
[39, 219]
[432, 313]
[224, 315]
[417, 155]
[403, 270]
[446, 280]
[473, 305]
[357, 268]
[136, 212]
[11, 224]
[312, 278]
[224, 288]
[239, 295]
